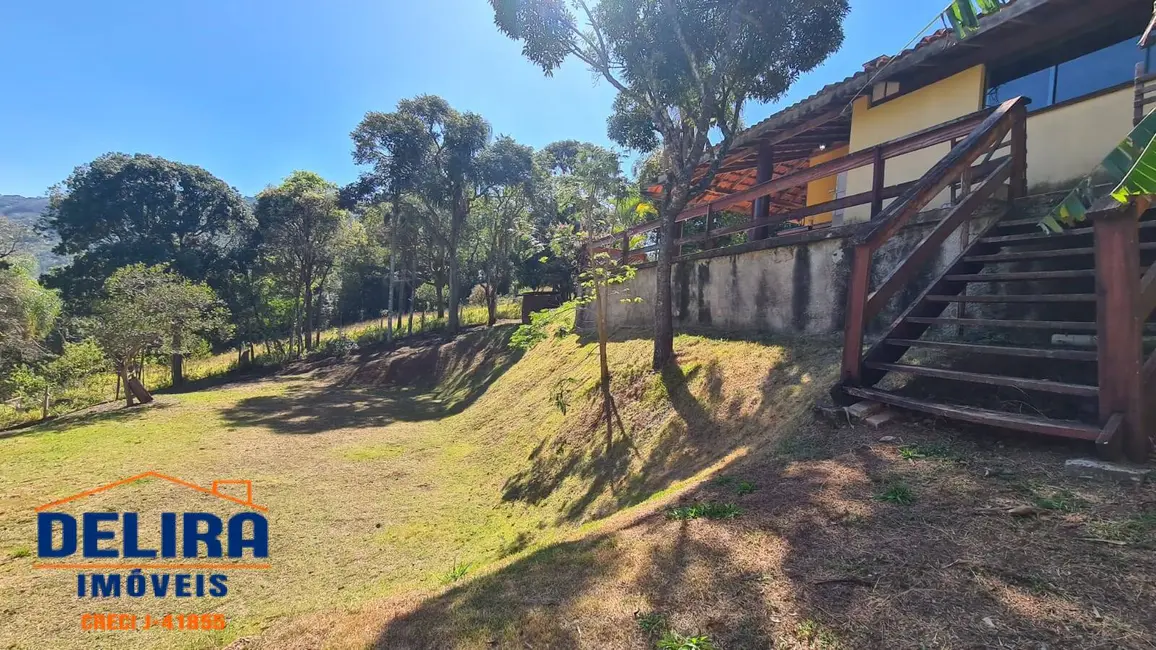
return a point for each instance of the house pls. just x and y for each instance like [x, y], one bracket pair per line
[903, 201]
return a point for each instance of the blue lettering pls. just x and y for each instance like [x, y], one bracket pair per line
[106, 586]
[93, 534]
[45, 522]
[259, 543]
[217, 584]
[160, 584]
[168, 534]
[194, 536]
[183, 588]
[132, 538]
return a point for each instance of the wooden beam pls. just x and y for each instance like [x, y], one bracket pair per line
[855, 322]
[1119, 329]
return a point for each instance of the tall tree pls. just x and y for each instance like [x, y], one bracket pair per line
[396, 145]
[27, 313]
[684, 70]
[302, 230]
[150, 307]
[119, 210]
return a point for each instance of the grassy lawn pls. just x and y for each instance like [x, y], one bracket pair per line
[389, 475]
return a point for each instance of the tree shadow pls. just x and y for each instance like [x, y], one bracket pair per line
[816, 560]
[102, 413]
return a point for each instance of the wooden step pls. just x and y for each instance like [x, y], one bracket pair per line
[1018, 256]
[1000, 350]
[1042, 385]
[1078, 326]
[1027, 297]
[1049, 236]
[1026, 276]
[1031, 424]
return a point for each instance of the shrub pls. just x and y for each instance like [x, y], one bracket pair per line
[340, 346]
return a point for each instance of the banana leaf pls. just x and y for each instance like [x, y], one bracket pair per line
[1130, 167]
[963, 19]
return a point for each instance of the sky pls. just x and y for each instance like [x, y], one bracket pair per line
[252, 90]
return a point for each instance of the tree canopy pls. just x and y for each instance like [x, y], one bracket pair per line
[120, 209]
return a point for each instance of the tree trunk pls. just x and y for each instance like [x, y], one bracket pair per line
[308, 313]
[455, 288]
[604, 363]
[128, 401]
[44, 403]
[441, 303]
[177, 362]
[392, 266]
[491, 306]
[663, 305]
[412, 305]
[457, 220]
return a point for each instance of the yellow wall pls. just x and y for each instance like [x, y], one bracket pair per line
[1067, 143]
[823, 190]
[935, 104]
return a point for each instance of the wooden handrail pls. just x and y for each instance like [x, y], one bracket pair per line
[988, 136]
[989, 133]
[922, 139]
[959, 215]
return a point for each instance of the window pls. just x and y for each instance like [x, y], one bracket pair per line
[1053, 78]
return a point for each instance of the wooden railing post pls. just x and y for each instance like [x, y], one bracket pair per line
[711, 243]
[1018, 187]
[856, 323]
[626, 248]
[1119, 327]
[877, 184]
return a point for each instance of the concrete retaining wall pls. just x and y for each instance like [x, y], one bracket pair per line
[796, 283]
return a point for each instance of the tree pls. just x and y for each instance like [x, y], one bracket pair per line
[302, 230]
[27, 312]
[119, 210]
[599, 194]
[150, 307]
[77, 362]
[457, 165]
[396, 145]
[684, 70]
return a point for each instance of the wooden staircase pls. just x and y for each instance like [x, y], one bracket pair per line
[978, 341]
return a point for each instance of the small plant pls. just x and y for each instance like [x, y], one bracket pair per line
[725, 481]
[674, 641]
[341, 346]
[457, 572]
[815, 635]
[1060, 501]
[560, 393]
[704, 511]
[744, 488]
[652, 623]
[20, 551]
[896, 492]
[911, 453]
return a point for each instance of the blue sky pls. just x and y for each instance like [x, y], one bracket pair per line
[254, 89]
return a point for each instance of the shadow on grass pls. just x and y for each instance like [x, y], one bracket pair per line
[373, 389]
[705, 431]
[109, 412]
[816, 560]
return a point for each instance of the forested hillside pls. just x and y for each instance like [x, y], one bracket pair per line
[24, 212]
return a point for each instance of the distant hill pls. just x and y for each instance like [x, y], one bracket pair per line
[26, 210]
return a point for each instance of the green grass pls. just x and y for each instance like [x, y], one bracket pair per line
[674, 641]
[378, 488]
[896, 492]
[1139, 530]
[704, 511]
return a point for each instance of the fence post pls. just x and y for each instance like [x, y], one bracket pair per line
[1119, 327]
[710, 242]
[855, 322]
[877, 183]
[1018, 185]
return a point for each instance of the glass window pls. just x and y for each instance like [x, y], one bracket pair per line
[1037, 86]
[1114, 65]
[1105, 68]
